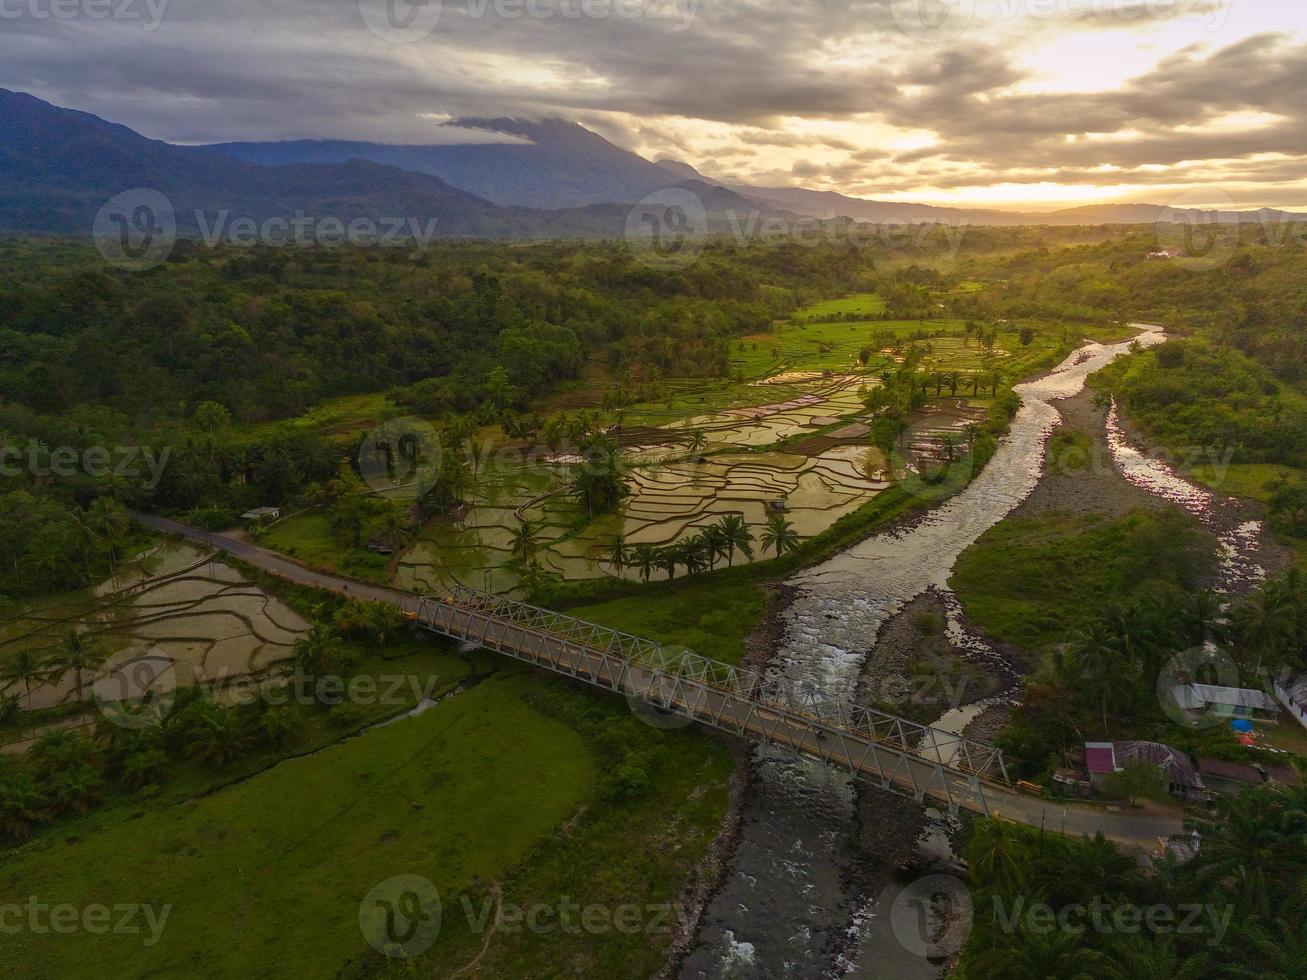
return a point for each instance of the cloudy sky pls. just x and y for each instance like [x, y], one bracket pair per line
[1008, 103]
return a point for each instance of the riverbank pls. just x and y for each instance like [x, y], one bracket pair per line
[794, 900]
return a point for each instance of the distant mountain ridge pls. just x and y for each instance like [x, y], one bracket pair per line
[560, 165]
[59, 166]
[554, 179]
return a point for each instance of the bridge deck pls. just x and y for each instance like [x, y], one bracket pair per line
[883, 749]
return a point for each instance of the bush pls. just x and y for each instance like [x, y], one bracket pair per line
[212, 518]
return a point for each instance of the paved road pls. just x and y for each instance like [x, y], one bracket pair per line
[278, 564]
[873, 760]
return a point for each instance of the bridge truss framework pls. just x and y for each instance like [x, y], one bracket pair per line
[883, 749]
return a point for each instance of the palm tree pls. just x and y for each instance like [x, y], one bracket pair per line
[396, 526]
[1264, 621]
[526, 541]
[645, 558]
[75, 790]
[698, 439]
[997, 856]
[714, 542]
[779, 534]
[76, 653]
[618, 556]
[1039, 956]
[25, 667]
[1281, 950]
[22, 806]
[1104, 675]
[85, 539]
[533, 577]
[693, 553]
[214, 737]
[317, 650]
[736, 534]
[668, 558]
[110, 521]
[384, 620]
[1156, 958]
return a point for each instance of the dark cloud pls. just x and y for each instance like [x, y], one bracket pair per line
[740, 69]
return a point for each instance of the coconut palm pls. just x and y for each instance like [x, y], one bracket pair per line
[714, 542]
[1281, 948]
[384, 621]
[645, 558]
[736, 534]
[1156, 958]
[317, 650]
[76, 790]
[779, 533]
[618, 556]
[1104, 675]
[997, 856]
[698, 439]
[1265, 621]
[84, 537]
[26, 667]
[526, 541]
[668, 558]
[396, 527]
[1039, 956]
[214, 737]
[693, 552]
[77, 653]
[110, 521]
[22, 806]
[533, 577]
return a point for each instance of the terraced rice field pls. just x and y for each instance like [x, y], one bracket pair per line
[206, 619]
[805, 379]
[672, 495]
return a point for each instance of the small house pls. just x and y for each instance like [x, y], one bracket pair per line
[1233, 702]
[1182, 776]
[261, 514]
[1293, 695]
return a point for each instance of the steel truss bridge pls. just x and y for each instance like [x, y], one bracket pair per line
[882, 749]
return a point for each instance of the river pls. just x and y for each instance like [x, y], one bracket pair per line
[786, 907]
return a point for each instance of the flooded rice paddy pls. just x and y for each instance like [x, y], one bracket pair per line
[674, 494]
[201, 615]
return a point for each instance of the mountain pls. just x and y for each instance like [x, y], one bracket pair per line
[681, 170]
[829, 204]
[59, 166]
[553, 164]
